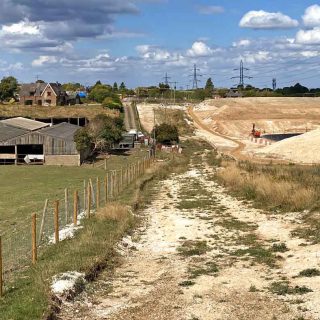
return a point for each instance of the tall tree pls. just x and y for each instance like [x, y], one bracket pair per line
[8, 87]
[209, 88]
[115, 87]
[122, 86]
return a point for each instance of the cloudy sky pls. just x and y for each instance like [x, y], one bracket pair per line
[138, 41]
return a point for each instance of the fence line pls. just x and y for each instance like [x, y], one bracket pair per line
[21, 245]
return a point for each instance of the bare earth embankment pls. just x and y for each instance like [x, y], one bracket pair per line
[232, 119]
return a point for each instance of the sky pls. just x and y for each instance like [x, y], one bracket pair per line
[139, 41]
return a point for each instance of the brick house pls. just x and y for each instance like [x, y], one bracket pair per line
[43, 94]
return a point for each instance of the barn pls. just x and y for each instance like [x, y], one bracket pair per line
[49, 145]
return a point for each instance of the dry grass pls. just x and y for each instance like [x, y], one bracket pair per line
[82, 111]
[114, 211]
[276, 190]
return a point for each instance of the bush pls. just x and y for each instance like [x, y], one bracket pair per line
[166, 133]
[113, 102]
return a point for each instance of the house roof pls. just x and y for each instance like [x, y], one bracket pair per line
[8, 132]
[38, 88]
[62, 130]
[32, 89]
[25, 123]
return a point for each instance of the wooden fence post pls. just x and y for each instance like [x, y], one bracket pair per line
[44, 213]
[1, 270]
[89, 201]
[98, 193]
[119, 182]
[84, 195]
[34, 239]
[106, 188]
[75, 208]
[66, 204]
[105, 164]
[56, 221]
[92, 192]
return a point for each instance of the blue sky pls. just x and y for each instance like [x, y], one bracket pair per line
[138, 41]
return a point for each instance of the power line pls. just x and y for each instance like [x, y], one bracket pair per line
[195, 76]
[166, 79]
[242, 76]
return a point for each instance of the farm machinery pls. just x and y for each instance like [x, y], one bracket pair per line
[255, 133]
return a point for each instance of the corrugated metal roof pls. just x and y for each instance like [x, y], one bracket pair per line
[62, 130]
[25, 123]
[9, 132]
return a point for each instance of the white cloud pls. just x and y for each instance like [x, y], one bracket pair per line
[242, 43]
[199, 49]
[22, 27]
[267, 20]
[208, 10]
[311, 17]
[43, 60]
[308, 36]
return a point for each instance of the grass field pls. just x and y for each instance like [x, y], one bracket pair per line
[25, 188]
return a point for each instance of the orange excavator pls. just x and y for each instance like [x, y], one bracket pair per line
[255, 133]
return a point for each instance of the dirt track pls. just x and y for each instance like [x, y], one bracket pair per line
[182, 265]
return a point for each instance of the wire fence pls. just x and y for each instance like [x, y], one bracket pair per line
[21, 244]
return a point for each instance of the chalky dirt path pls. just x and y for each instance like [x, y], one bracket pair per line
[184, 262]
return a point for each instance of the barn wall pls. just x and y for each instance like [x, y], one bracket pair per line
[62, 160]
[52, 146]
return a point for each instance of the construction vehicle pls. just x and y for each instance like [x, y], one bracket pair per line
[255, 133]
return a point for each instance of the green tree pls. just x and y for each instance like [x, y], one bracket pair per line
[101, 133]
[72, 86]
[113, 102]
[99, 92]
[115, 87]
[122, 87]
[8, 87]
[209, 88]
[83, 139]
[166, 133]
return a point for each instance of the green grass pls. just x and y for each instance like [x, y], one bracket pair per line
[25, 188]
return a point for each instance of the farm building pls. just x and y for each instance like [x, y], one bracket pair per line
[25, 123]
[50, 145]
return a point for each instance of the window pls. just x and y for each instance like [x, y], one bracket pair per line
[48, 94]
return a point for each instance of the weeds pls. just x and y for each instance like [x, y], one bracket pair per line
[283, 288]
[309, 273]
[235, 224]
[279, 247]
[210, 268]
[260, 255]
[186, 283]
[193, 248]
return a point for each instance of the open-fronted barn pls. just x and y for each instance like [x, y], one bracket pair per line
[52, 145]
